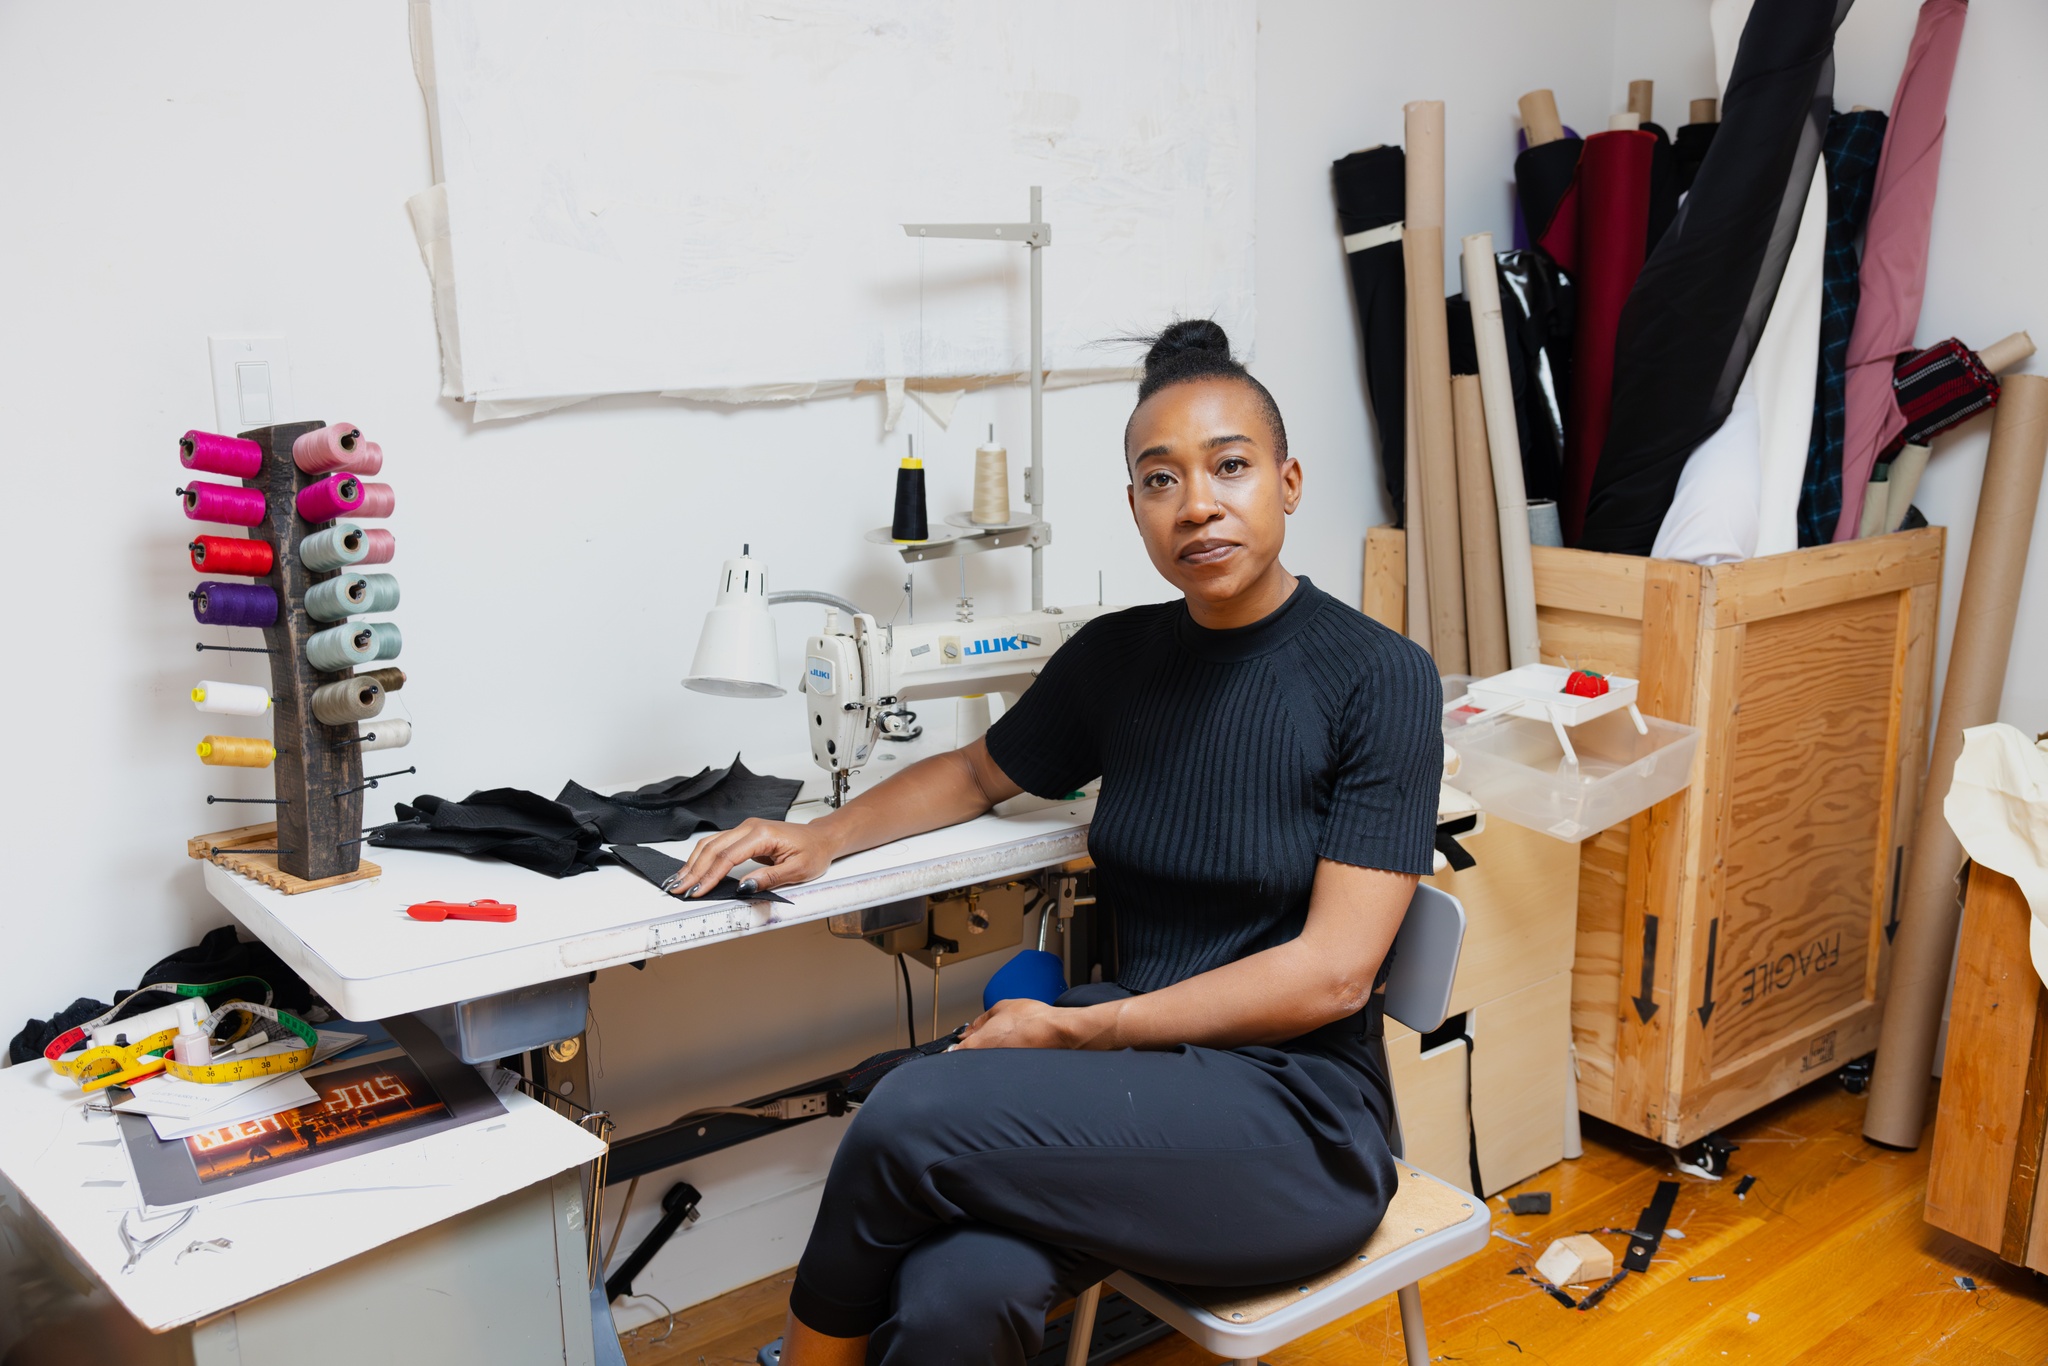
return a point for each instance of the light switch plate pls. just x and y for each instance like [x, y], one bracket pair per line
[252, 382]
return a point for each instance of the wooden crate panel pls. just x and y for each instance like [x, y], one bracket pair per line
[1520, 903]
[1596, 967]
[1808, 824]
[1582, 640]
[1518, 1080]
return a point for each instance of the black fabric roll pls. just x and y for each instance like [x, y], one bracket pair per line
[1464, 345]
[1538, 310]
[1663, 185]
[1689, 149]
[1543, 181]
[1371, 192]
[1692, 321]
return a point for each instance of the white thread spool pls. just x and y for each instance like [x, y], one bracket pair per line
[390, 732]
[991, 483]
[231, 699]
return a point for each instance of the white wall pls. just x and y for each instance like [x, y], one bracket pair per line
[242, 167]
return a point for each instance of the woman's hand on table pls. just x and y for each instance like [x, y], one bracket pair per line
[789, 853]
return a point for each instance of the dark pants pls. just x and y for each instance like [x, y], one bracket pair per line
[977, 1189]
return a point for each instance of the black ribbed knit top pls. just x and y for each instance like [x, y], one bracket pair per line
[1231, 761]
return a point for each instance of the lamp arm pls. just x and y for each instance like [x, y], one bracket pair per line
[812, 595]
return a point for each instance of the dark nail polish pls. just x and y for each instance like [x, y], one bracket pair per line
[749, 887]
[693, 890]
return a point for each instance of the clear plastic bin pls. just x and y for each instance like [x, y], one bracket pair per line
[493, 1027]
[1516, 770]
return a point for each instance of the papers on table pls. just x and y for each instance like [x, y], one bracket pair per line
[178, 1108]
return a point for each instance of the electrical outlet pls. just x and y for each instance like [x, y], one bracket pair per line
[252, 382]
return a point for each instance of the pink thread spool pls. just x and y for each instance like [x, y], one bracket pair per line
[382, 546]
[211, 453]
[378, 501]
[333, 447]
[224, 503]
[369, 458]
[331, 497]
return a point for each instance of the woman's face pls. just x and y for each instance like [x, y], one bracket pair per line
[1208, 490]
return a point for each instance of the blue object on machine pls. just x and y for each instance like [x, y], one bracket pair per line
[1033, 975]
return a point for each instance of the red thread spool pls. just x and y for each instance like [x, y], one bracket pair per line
[378, 501]
[232, 555]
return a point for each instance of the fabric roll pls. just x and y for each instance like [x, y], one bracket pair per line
[1786, 370]
[1851, 150]
[1939, 388]
[1613, 209]
[1370, 191]
[1688, 149]
[1543, 188]
[1539, 306]
[1700, 305]
[1713, 516]
[1894, 275]
[1663, 185]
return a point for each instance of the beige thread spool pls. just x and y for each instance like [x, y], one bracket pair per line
[991, 483]
[390, 734]
[236, 751]
[348, 701]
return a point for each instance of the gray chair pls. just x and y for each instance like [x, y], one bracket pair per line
[1430, 1224]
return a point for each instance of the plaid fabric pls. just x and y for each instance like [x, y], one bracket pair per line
[1939, 387]
[1853, 142]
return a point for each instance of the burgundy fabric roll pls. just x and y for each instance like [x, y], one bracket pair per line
[1612, 211]
[1894, 274]
[1942, 386]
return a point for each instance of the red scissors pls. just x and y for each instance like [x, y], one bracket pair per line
[463, 910]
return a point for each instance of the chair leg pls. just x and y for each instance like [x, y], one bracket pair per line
[1412, 1332]
[1083, 1328]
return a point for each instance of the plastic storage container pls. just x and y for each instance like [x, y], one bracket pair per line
[1515, 768]
[492, 1027]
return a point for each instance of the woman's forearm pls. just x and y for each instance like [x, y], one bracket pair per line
[1270, 997]
[942, 790]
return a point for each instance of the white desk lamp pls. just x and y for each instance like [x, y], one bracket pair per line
[736, 654]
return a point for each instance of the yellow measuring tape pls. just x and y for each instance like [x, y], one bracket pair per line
[107, 1065]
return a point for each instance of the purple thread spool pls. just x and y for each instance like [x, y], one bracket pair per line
[223, 503]
[330, 498]
[211, 453]
[234, 604]
[383, 545]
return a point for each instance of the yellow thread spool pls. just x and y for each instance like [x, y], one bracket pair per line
[236, 751]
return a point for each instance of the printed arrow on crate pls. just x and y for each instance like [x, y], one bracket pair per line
[1646, 1007]
[1707, 991]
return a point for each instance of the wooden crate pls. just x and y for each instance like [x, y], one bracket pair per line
[1762, 893]
[1991, 1127]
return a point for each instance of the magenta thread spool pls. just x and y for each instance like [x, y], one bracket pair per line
[224, 503]
[383, 545]
[378, 501]
[333, 447]
[234, 604]
[331, 497]
[211, 453]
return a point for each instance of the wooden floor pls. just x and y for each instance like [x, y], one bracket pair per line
[1825, 1262]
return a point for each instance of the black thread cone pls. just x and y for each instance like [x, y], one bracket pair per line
[909, 522]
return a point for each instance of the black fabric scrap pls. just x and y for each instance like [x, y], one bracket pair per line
[36, 1035]
[564, 837]
[865, 1075]
[1649, 1234]
[658, 868]
[1534, 1202]
[1742, 1186]
[1371, 192]
[1689, 149]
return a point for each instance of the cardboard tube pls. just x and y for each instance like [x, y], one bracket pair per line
[1876, 500]
[1539, 117]
[2006, 352]
[1504, 450]
[1970, 694]
[1540, 123]
[1486, 626]
[1627, 121]
[1436, 452]
[1705, 111]
[1902, 483]
[1417, 608]
[1640, 93]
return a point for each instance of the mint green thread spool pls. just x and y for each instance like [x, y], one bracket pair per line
[342, 647]
[383, 592]
[338, 547]
[388, 641]
[340, 598]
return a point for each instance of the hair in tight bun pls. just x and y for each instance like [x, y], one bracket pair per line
[1198, 348]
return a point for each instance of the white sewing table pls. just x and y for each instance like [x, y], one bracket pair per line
[356, 947]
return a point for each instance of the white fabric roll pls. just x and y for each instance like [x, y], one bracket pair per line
[1787, 368]
[1713, 514]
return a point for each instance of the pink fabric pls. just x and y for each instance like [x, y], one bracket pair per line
[1894, 274]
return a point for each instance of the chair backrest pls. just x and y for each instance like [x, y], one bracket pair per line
[1426, 959]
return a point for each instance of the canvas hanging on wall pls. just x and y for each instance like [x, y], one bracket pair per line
[704, 198]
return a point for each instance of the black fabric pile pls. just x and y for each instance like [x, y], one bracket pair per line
[217, 957]
[568, 835]
[1371, 189]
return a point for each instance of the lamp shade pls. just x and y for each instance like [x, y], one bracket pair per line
[736, 651]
